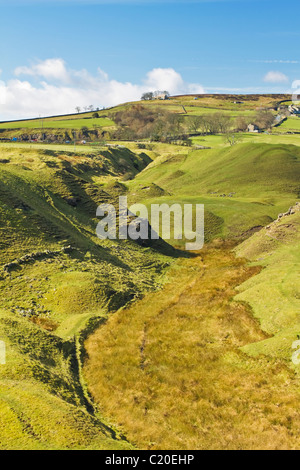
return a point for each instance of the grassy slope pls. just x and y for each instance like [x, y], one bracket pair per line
[275, 138]
[263, 180]
[290, 124]
[58, 124]
[274, 294]
[222, 102]
[48, 201]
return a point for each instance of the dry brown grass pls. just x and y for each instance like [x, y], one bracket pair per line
[169, 372]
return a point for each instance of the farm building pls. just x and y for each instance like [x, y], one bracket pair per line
[294, 110]
[162, 96]
[253, 128]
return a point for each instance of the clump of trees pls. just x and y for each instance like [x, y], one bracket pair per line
[264, 118]
[147, 96]
[139, 122]
[222, 123]
[241, 124]
[216, 123]
[91, 107]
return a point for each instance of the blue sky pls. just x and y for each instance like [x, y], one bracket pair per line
[55, 55]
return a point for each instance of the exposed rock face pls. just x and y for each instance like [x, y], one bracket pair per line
[292, 210]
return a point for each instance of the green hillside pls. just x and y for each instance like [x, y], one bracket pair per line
[189, 105]
[58, 124]
[241, 169]
[58, 280]
[291, 124]
[274, 294]
[242, 187]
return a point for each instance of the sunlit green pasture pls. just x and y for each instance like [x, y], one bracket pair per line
[58, 124]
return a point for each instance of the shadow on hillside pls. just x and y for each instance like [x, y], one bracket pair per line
[161, 246]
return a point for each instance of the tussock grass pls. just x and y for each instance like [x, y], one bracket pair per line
[170, 373]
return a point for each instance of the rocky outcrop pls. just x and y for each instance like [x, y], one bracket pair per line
[292, 210]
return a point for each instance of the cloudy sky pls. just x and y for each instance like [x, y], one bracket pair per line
[56, 55]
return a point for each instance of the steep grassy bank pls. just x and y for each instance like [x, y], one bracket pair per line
[275, 293]
[57, 279]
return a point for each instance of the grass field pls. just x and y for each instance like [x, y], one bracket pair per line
[235, 103]
[68, 148]
[274, 138]
[59, 124]
[233, 113]
[290, 124]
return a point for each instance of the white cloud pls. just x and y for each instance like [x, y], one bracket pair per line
[50, 87]
[2, 93]
[170, 80]
[276, 77]
[51, 69]
[164, 79]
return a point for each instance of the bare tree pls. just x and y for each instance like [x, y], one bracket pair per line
[78, 109]
[194, 123]
[232, 138]
[147, 96]
[223, 122]
[216, 123]
[241, 124]
[264, 118]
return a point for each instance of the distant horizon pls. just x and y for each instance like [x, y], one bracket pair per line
[287, 95]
